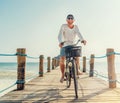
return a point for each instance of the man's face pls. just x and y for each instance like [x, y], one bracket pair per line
[70, 20]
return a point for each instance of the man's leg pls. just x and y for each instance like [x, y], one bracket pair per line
[78, 65]
[62, 68]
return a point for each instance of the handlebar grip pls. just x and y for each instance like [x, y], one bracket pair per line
[82, 41]
[62, 43]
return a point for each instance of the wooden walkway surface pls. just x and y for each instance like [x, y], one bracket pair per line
[48, 89]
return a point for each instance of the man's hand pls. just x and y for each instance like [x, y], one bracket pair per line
[60, 45]
[84, 42]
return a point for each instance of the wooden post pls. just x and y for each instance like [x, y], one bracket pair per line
[91, 74]
[48, 64]
[41, 65]
[84, 64]
[53, 63]
[57, 62]
[111, 68]
[21, 61]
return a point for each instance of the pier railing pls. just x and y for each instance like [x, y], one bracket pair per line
[110, 55]
[21, 63]
[21, 67]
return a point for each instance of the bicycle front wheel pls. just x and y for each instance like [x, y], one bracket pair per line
[68, 77]
[75, 78]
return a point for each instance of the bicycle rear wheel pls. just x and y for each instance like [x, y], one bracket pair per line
[68, 77]
[75, 78]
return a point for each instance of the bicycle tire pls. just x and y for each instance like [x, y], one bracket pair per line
[68, 77]
[75, 78]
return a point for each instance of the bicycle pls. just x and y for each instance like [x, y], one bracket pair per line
[71, 71]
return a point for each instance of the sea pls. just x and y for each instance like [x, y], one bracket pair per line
[8, 73]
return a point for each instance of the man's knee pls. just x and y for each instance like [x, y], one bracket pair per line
[77, 60]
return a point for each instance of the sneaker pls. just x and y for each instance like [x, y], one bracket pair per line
[79, 73]
[61, 80]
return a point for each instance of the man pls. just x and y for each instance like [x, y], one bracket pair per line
[68, 33]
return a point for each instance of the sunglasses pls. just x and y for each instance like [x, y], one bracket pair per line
[70, 18]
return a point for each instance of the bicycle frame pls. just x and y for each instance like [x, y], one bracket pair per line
[71, 72]
[71, 69]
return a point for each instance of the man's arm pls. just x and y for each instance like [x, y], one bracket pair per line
[60, 37]
[80, 36]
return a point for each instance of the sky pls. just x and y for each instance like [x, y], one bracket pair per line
[35, 24]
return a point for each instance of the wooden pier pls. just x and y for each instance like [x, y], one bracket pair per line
[48, 89]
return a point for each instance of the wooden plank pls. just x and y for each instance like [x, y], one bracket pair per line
[49, 89]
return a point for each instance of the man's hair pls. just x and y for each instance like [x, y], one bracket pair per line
[70, 16]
